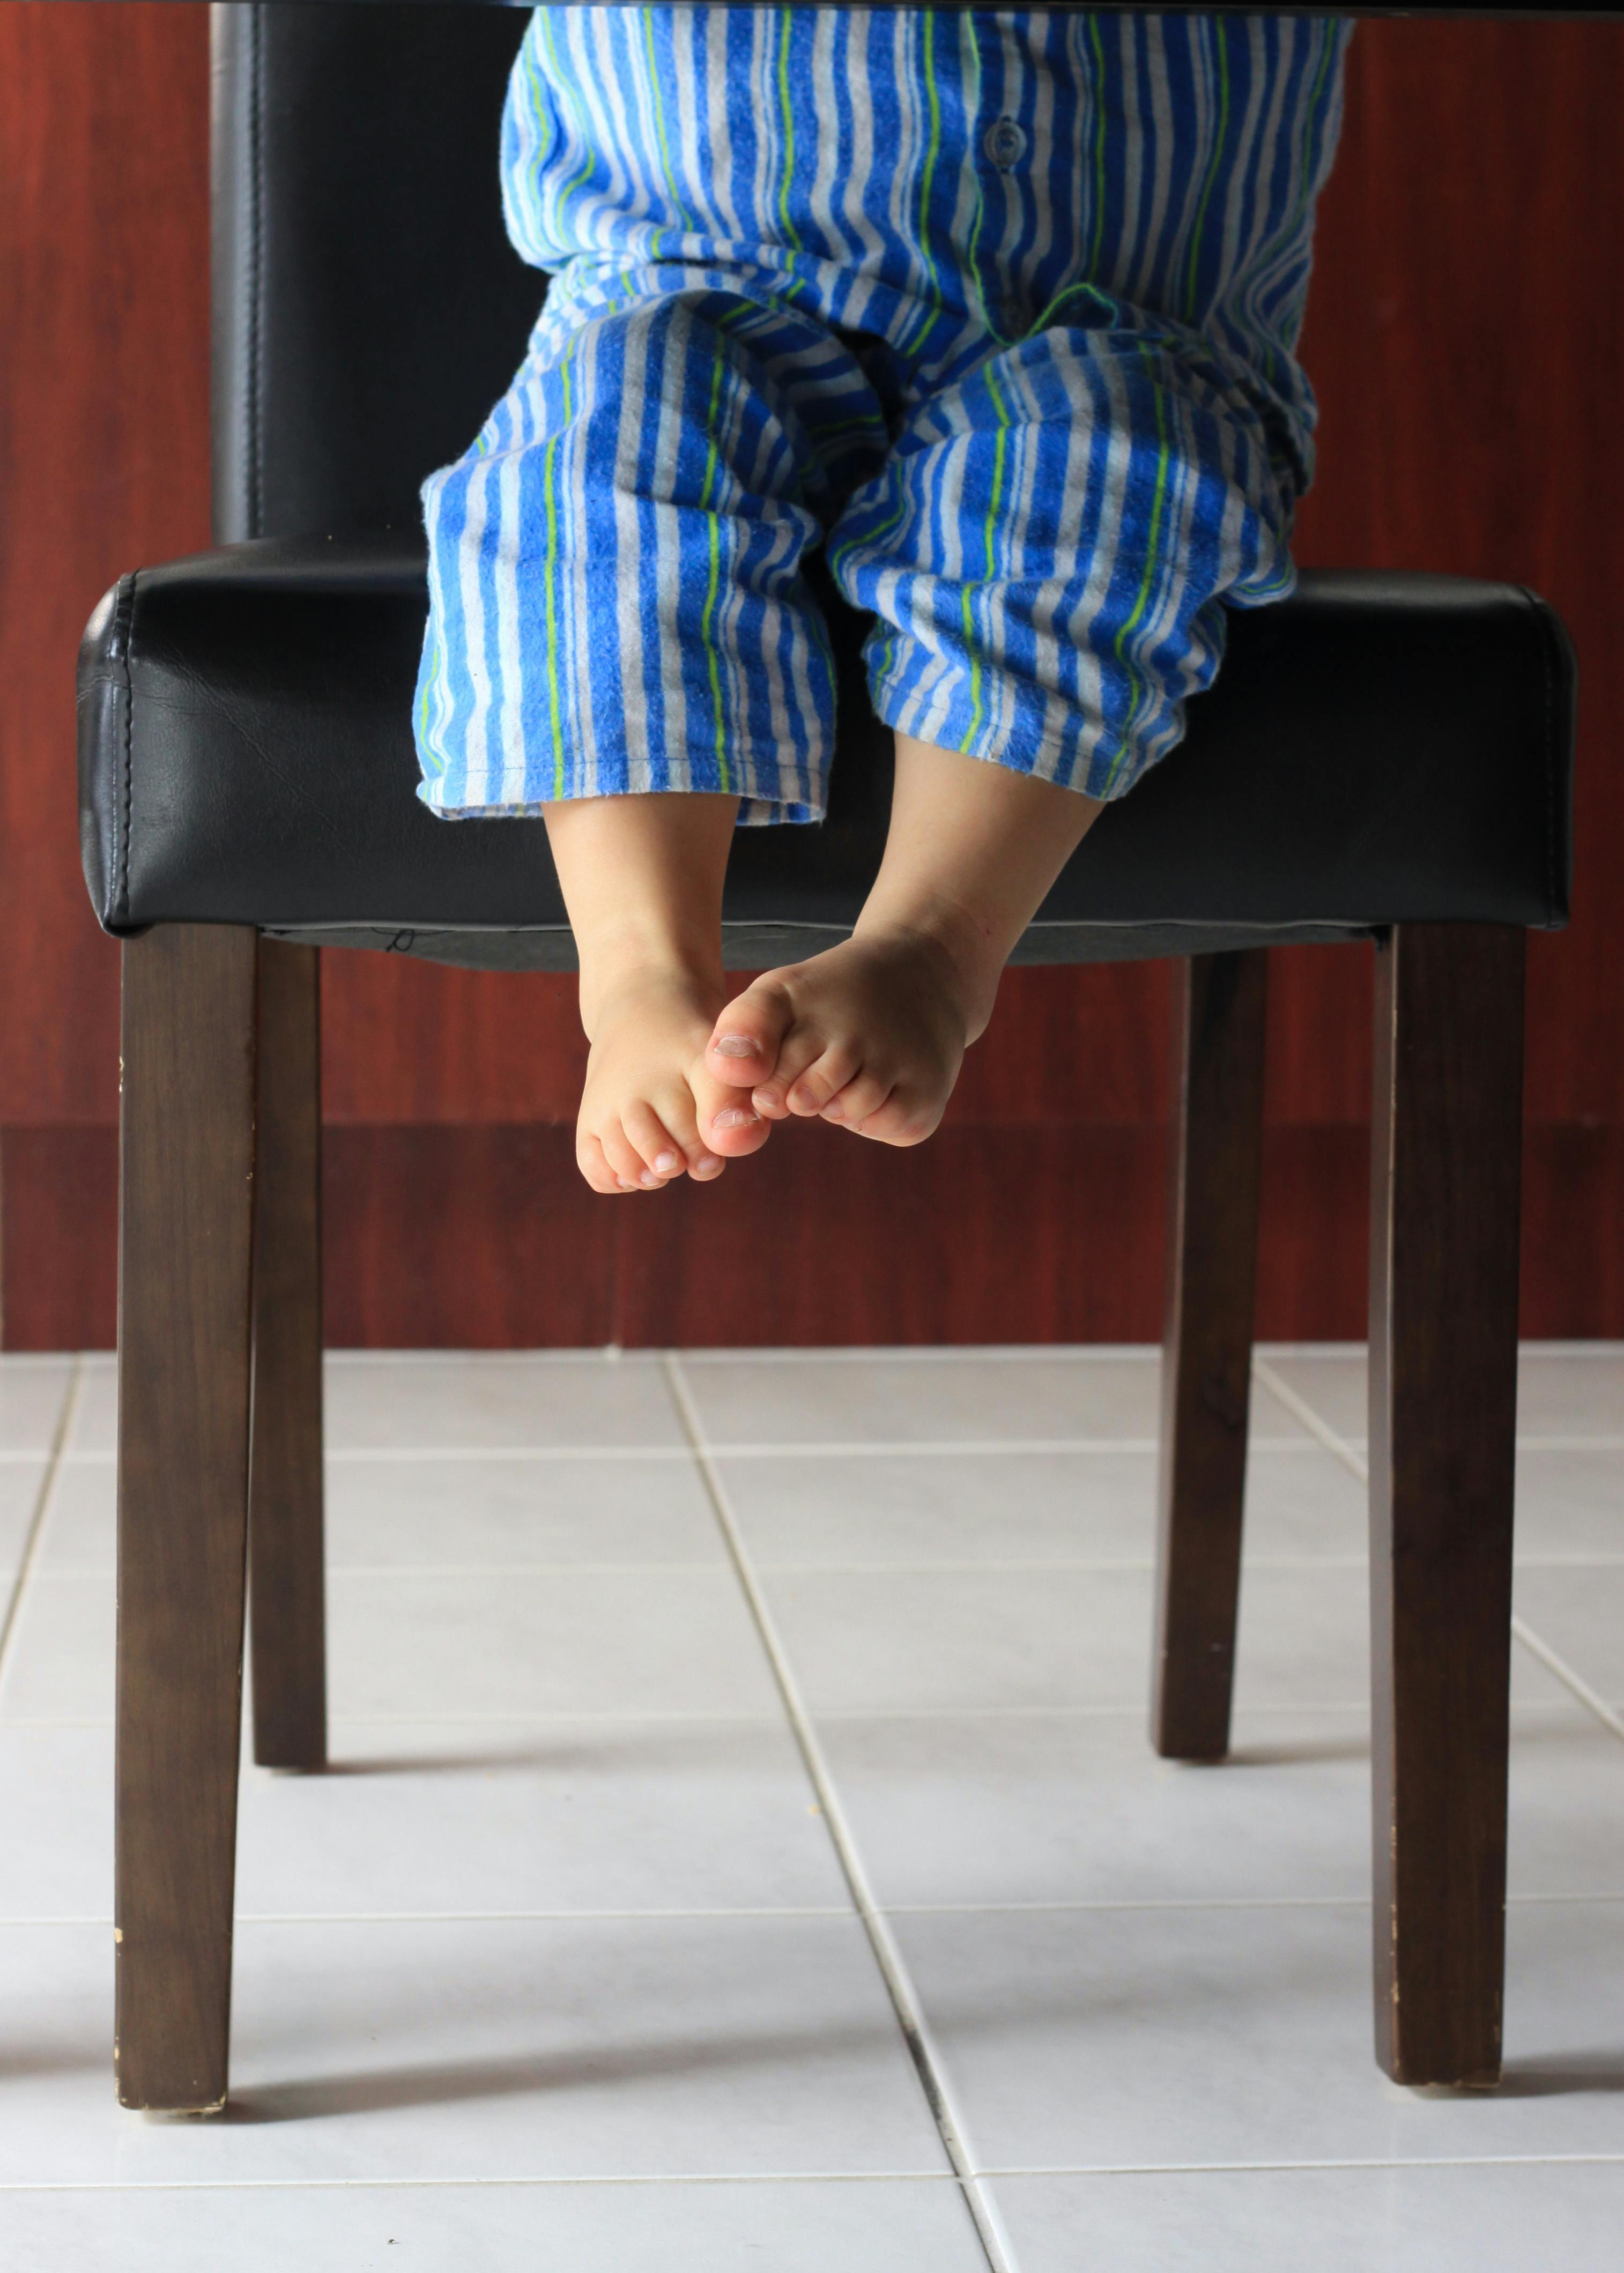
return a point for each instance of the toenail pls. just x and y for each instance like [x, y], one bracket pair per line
[833, 1112]
[650, 1180]
[735, 1117]
[666, 1162]
[805, 1099]
[707, 1164]
[736, 1046]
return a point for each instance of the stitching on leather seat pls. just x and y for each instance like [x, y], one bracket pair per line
[123, 645]
[256, 203]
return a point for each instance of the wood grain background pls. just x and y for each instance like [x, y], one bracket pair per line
[1464, 334]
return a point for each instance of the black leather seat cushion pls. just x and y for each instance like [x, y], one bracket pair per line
[1381, 748]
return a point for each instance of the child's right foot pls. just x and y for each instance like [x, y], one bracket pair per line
[650, 1110]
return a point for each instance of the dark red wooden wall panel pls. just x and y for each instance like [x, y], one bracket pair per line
[1465, 335]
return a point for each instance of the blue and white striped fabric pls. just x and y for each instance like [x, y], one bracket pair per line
[999, 309]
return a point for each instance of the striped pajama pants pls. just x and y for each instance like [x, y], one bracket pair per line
[999, 310]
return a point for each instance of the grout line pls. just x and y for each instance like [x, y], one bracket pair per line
[970, 1566]
[927, 1353]
[1302, 1411]
[842, 1913]
[500, 2179]
[1535, 1644]
[873, 1448]
[36, 1522]
[799, 2178]
[893, 1970]
[1310, 2163]
[541, 1718]
[1537, 1647]
[1593, 1443]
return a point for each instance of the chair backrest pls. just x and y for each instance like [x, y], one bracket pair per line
[368, 307]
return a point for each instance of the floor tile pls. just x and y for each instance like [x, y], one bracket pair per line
[427, 1645]
[1480, 2219]
[95, 1417]
[1568, 1392]
[493, 1398]
[1579, 1610]
[59, 1662]
[579, 2048]
[1569, 1504]
[866, 1396]
[864, 1510]
[957, 1640]
[450, 1510]
[993, 1640]
[510, 1513]
[867, 1510]
[858, 2225]
[557, 1641]
[560, 1815]
[460, 1817]
[1332, 1382]
[1562, 1392]
[1106, 2038]
[1304, 1505]
[21, 1481]
[31, 1394]
[1080, 1810]
[402, 1398]
[80, 1529]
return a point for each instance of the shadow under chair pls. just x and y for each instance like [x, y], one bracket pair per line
[1385, 760]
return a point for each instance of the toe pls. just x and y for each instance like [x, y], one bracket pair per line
[626, 1163]
[744, 1044]
[800, 1047]
[853, 1104]
[822, 1081]
[659, 1152]
[903, 1119]
[729, 1125]
[590, 1162]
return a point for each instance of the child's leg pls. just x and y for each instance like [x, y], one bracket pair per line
[642, 880]
[1047, 550]
[871, 1032]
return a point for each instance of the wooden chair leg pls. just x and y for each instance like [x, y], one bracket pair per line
[1443, 1378]
[185, 1229]
[286, 1594]
[1206, 1347]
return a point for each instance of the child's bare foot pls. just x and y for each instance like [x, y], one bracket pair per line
[869, 1034]
[649, 1110]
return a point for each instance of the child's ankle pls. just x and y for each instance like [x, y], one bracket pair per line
[628, 964]
[951, 933]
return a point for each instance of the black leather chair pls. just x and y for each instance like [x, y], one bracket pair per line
[1386, 758]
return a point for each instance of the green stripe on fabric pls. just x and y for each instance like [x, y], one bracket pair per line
[786, 111]
[549, 459]
[706, 613]
[1097, 124]
[577, 179]
[659, 126]
[993, 503]
[1152, 549]
[1218, 34]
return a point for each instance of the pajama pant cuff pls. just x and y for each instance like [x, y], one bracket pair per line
[511, 796]
[1111, 770]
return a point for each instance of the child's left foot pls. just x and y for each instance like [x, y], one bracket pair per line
[869, 1034]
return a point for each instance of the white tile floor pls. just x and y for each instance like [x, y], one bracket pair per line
[746, 1852]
